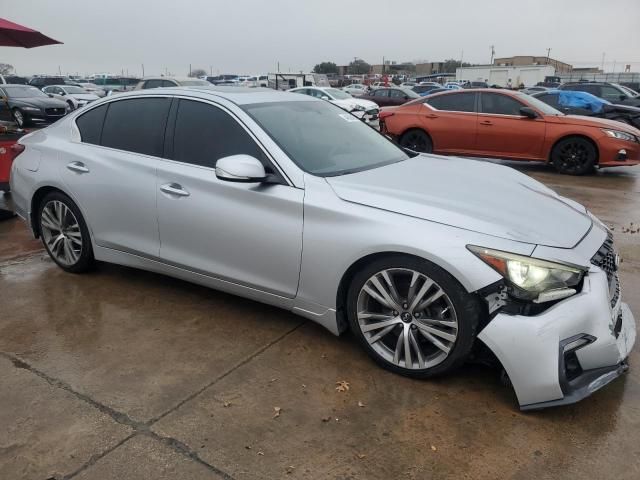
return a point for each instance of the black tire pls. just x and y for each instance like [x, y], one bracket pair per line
[574, 156]
[467, 310]
[20, 118]
[85, 260]
[417, 140]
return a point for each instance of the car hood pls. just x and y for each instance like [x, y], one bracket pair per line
[84, 96]
[592, 122]
[474, 195]
[351, 103]
[38, 102]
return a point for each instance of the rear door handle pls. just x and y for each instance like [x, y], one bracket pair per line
[78, 167]
[486, 122]
[174, 189]
[431, 115]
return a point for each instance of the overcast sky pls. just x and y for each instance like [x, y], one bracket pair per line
[251, 36]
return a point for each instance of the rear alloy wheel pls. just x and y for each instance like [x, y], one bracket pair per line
[412, 317]
[64, 233]
[574, 156]
[417, 140]
[19, 117]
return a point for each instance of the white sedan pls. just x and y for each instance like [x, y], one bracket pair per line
[365, 110]
[356, 89]
[75, 97]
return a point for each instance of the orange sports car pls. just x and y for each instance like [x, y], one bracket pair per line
[504, 124]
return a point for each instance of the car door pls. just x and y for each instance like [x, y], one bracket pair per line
[451, 121]
[111, 172]
[381, 97]
[504, 132]
[246, 233]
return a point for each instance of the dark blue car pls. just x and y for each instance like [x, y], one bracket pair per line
[583, 103]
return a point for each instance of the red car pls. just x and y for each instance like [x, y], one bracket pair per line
[511, 125]
[390, 96]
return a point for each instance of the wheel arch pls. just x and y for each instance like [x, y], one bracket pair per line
[576, 135]
[417, 127]
[357, 265]
[36, 200]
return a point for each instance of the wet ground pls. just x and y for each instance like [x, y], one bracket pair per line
[126, 374]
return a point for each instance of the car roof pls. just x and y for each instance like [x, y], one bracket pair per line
[177, 79]
[237, 95]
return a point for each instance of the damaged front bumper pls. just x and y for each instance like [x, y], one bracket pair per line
[538, 351]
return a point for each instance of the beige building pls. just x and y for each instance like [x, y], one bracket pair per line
[521, 60]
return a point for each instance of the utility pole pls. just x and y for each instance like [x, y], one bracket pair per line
[142, 70]
[189, 69]
[211, 70]
[548, 55]
[493, 52]
[602, 66]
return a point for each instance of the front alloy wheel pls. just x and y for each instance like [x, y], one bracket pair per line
[18, 116]
[412, 317]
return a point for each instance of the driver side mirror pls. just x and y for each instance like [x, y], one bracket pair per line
[240, 168]
[324, 97]
[528, 112]
[50, 95]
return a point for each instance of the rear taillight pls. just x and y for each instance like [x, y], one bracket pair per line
[16, 149]
[384, 115]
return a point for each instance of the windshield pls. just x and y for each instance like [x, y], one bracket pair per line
[71, 89]
[538, 104]
[23, 92]
[337, 94]
[194, 83]
[628, 91]
[323, 139]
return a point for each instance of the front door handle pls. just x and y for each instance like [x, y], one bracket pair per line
[77, 167]
[486, 122]
[174, 189]
[431, 115]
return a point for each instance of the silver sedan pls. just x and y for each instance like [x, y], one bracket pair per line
[293, 202]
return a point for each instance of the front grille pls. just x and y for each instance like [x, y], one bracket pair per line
[55, 111]
[605, 258]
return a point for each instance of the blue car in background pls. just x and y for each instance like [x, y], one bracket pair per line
[583, 103]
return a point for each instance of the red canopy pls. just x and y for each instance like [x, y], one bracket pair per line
[14, 35]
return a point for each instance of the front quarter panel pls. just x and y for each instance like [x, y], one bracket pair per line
[338, 233]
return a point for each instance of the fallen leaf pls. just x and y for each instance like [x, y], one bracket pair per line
[290, 469]
[342, 386]
[248, 447]
[277, 411]
[226, 404]
[326, 419]
[260, 452]
[273, 380]
[304, 386]
[433, 447]
[361, 405]
[361, 456]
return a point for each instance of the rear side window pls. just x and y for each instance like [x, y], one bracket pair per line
[90, 124]
[457, 102]
[204, 133]
[152, 84]
[381, 93]
[136, 125]
[496, 104]
[550, 99]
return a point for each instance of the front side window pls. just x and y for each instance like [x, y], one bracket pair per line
[323, 139]
[550, 99]
[381, 93]
[455, 102]
[611, 93]
[496, 104]
[204, 134]
[136, 125]
[397, 94]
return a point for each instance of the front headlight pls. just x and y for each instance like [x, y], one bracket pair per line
[529, 276]
[620, 135]
[30, 109]
[358, 108]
